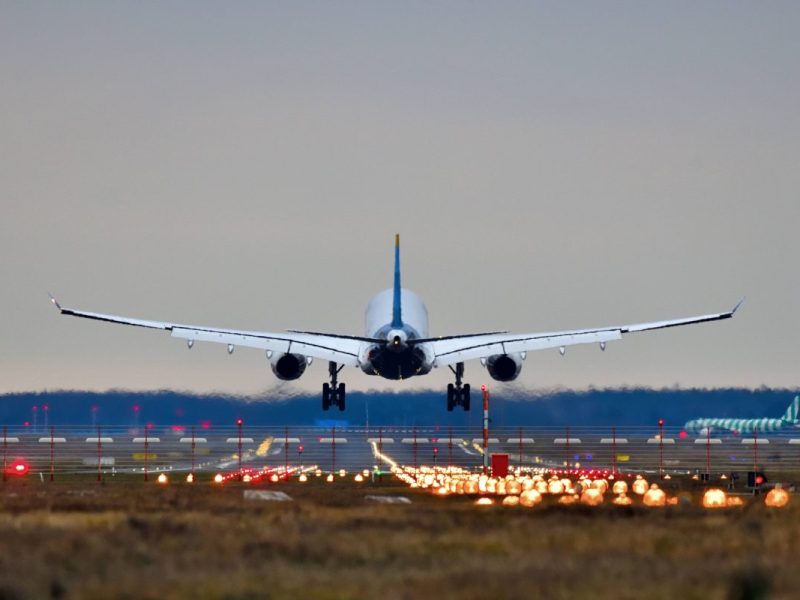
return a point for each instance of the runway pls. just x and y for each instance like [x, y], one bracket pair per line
[109, 450]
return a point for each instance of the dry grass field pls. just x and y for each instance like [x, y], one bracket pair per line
[130, 540]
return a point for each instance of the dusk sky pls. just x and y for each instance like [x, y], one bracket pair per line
[548, 166]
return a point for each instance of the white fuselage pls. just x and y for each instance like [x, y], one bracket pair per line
[396, 360]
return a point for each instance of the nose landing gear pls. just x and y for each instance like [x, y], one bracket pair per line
[458, 393]
[333, 393]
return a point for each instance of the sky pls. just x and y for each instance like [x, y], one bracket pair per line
[548, 166]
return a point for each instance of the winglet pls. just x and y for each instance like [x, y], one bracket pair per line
[54, 301]
[735, 308]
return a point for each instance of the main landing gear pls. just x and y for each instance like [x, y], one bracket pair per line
[458, 394]
[333, 394]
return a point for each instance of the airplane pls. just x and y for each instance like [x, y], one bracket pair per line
[397, 344]
[705, 426]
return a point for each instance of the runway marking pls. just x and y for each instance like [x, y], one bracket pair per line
[565, 441]
[388, 499]
[268, 495]
[382, 457]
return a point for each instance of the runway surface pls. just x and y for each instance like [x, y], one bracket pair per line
[108, 450]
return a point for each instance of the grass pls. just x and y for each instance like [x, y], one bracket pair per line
[125, 539]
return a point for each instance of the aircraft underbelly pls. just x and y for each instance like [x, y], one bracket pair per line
[392, 364]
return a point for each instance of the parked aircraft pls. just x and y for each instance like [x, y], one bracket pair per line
[704, 426]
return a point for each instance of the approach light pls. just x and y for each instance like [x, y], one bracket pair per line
[714, 498]
[162, 479]
[640, 487]
[654, 497]
[530, 498]
[777, 497]
[592, 497]
[622, 500]
[218, 478]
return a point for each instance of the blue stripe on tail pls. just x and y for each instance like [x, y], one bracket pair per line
[397, 316]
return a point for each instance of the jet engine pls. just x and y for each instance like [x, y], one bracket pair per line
[288, 366]
[504, 367]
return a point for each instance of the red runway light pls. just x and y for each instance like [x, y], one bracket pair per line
[18, 467]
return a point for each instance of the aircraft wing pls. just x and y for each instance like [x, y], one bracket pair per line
[459, 349]
[342, 350]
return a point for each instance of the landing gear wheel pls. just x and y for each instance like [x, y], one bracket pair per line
[333, 393]
[458, 393]
[326, 396]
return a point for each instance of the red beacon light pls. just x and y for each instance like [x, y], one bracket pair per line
[19, 468]
[483, 387]
[239, 422]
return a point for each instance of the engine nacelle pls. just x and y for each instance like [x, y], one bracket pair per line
[288, 366]
[504, 367]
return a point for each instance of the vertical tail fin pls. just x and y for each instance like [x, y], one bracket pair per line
[397, 315]
[793, 410]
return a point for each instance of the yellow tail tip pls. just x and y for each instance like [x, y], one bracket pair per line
[396, 239]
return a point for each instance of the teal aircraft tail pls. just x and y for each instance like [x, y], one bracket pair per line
[791, 415]
[397, 315]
